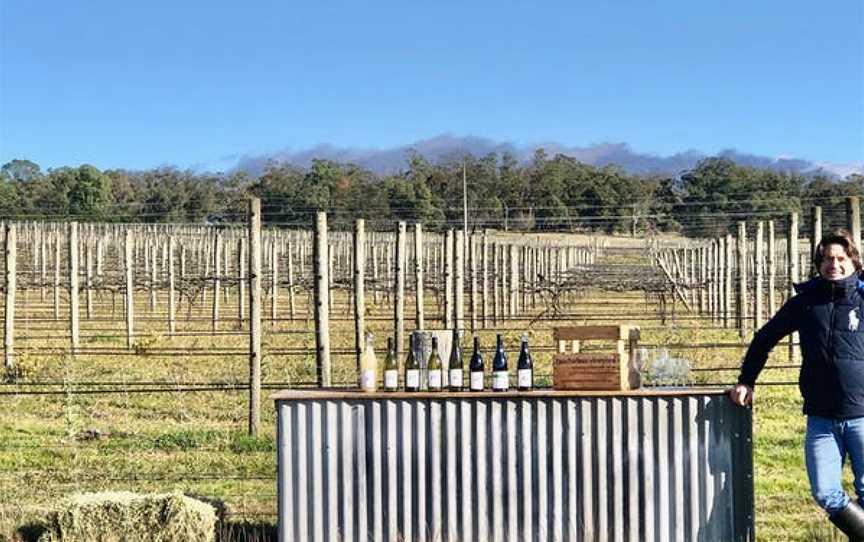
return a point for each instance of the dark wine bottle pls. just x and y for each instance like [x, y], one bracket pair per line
[454, 366]
[391, 369]
[500, 377]
[524, 367]
[476, 367]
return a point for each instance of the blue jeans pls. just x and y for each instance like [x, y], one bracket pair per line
[828, 442]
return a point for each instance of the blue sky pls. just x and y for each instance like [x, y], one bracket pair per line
[201, 84]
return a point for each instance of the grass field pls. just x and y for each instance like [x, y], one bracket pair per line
[196, 442]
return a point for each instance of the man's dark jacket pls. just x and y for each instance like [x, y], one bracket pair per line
[828, 317]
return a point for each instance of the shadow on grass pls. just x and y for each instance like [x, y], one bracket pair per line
[30, 532]
[247, 531]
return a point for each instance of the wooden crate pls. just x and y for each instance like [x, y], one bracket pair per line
[613, 371]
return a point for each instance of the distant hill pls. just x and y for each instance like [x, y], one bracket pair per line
[443, 147]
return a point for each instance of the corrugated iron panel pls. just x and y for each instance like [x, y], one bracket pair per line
[645, 468]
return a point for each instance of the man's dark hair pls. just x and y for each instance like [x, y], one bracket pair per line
[840, 237]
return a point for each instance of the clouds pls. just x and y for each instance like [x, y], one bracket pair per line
[445, 146]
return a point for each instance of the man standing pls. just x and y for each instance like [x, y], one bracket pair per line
[826, 312]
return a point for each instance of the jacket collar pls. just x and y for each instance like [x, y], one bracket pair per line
[846, 286]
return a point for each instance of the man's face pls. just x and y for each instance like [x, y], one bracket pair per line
[836, 264]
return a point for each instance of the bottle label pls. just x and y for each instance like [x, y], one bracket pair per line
[525, 378]
[391, 379]
[477, 381]
[445, 380]
[455, 378]
[367, 380]
[435, 379]
[500, 380]
[412, 378]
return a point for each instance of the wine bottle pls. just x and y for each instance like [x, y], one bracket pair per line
[476, 367]
[525, 367]
[454, 367]
[500, 378]
[435, 367]
[412, 370]
[368, 367]
[391, 369]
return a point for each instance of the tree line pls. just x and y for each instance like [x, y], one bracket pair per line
[555, 193]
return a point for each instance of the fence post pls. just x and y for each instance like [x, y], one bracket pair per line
[241, 281]
[274, 281]
[9, 307]
[472, 270]
[513, 256]
[853, 219]
[322, 300]
[172, 277]
[758, 305]
[792, 262]
[88, 266]
[56, 276]
[217, 262]
[772, 269]
[459, 280]
[74, 330]
[254, 214]
[741, 245]
[448, 280]
[359, 287]
[484, 255]
[130, 289]
[727, 320]
[418, 275]
[815, 236]
[399, 305]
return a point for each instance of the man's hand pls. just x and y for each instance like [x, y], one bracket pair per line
[741, 394]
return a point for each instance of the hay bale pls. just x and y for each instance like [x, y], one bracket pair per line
[131, 517]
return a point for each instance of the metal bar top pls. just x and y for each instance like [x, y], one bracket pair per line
[349, 394]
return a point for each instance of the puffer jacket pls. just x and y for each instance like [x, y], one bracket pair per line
[828, 317]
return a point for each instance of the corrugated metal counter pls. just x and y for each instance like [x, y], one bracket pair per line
[651, 465]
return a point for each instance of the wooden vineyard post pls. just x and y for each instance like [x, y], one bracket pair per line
[172, 295]
[759, 258]
[241, 281]
[472, 270]
[772, 269]
[130, 289]
[742, 300]
[730, 259]
[459, 280]
[217, 262]
[853, 219]
[816, 236]
[496, 291]
[399, 305]
[56, 276]
[418, 276]
[484, 255]
[274, 281]
[514, 280]
[792, 264]
[359, 287]
[721, 280]
[373, 249]
[88, 285]
[9, 282]
[254, 213]
[292, 308]
[322, 300]
[74, 328]
[43, 264]
[448, 280]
